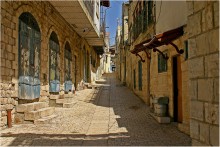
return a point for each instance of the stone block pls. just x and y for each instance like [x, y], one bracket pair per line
[213, 38]
[194, 23]
[43, 99]
[54, 97]
[3, 62]
[68, 105]
[204, 132]
[202, 44]
[194, 129]
[212, 65]
[8, 64]
[14, 102]
[198, 143]
[214, 135]
[207, 18]
[196, 67]
[3, 101]
[198, 5]
[9, 100]
[216, 14]
[44, 93]
[19, 118]
[9, 48]
[3, 113]
[216, 90]
[212, 113]
[4, 119]
[39, 105]
[25, 107]
[11, 56]
[2, 107]
[189, 8]
[59, 101]
[193, 89]
[205, 90]
[197, 110]
[14, 94]
[46, 111]
[9, 106]
[31, 115]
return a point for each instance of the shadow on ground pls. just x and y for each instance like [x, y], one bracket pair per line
[127, 113]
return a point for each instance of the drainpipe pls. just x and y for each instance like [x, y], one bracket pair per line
[9, 121]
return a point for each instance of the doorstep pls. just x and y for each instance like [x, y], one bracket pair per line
[161, 119]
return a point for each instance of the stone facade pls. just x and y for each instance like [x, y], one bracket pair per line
[48, 20]
[203, 72]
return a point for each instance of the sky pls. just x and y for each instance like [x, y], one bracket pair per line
[112, 14]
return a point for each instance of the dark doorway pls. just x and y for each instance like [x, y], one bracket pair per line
[177, 89]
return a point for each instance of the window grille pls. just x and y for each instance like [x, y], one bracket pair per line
[162, 63]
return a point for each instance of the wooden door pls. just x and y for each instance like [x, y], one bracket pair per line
[68, 60]
[29, 57]
[54, 64]
[177, 89]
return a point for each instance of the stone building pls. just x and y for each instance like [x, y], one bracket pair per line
[174, 54]
[47, 49]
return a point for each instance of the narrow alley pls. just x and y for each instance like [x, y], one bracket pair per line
[109, 115]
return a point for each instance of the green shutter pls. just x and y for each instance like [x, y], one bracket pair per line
[162, 63]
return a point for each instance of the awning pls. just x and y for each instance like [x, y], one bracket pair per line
[105, 3]
[165, 38]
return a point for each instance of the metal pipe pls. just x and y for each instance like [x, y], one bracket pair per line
[9, 121]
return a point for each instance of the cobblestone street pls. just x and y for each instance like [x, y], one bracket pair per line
[110, 115]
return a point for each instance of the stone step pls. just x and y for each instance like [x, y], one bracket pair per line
[68, 105]
[46, 111]
[68, 100]
[54, 97]
[59, 101]
[70, 95]
[34, 115]
[45, 120]
[31, 107]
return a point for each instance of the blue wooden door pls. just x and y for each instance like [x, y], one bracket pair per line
[29, 57]
[54, 64]
[68, 60]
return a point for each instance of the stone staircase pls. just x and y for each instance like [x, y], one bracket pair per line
[65, 101]
[37, 113]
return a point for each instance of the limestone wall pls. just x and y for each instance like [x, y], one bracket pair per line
[203, 24]
[161, 84]
[48, 20]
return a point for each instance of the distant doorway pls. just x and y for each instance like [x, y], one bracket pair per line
[177, 89]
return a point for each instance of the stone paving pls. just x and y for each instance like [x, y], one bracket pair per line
[110, 115]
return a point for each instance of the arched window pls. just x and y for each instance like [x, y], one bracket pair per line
[54, 63]
[29, 57]
[67, 72]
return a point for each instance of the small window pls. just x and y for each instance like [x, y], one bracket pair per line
[162, 63]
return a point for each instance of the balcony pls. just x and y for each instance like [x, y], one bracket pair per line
[80, 15]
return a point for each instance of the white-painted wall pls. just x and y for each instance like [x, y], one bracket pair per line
[172, 14]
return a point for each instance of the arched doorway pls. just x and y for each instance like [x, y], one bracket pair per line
[29, 57]
[54, 63]
[67, 72]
